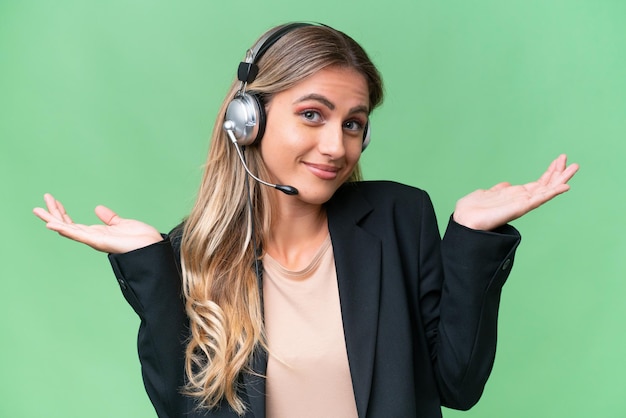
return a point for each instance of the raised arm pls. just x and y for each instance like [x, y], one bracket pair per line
[477, 254]
[116, 235]
[489, 209]
[146, 269]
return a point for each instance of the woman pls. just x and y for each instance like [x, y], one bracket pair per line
[325, 295]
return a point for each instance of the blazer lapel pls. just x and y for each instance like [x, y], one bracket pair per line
[254, 384]
[358, 263]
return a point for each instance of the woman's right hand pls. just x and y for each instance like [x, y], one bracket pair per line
[117, 235]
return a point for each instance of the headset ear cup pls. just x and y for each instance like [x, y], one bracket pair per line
[366, 137]
[248, 117]
[261, 117]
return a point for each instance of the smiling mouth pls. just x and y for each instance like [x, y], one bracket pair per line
[323, 171]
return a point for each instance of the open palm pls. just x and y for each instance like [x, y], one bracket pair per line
[115, 235]
[489, 209]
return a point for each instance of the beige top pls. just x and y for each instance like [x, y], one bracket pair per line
[307, 369]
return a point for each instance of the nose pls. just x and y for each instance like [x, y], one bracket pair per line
[331, 142]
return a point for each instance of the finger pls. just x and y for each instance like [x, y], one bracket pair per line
[106, 215]
[563, 176]
[561, 162]
[544, 195]
[547, 175]
[42, 214]
[555, 169]
[500, 186]
[64, 214]
[568, 173]
[52, 205]
[74, 232]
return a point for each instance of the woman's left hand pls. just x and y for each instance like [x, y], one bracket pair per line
[489, 209]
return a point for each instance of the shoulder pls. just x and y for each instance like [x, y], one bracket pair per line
[381, 202]
[380, 192]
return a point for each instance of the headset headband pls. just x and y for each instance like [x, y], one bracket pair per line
[248, 70]
[245, 114]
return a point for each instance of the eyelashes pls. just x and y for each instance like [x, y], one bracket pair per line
[312, 116]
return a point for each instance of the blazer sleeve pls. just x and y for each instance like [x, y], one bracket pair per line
[460, 290]
[151, 283]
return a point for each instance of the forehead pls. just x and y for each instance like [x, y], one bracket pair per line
[343, 85]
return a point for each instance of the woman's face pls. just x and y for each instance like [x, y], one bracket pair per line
[314, 133]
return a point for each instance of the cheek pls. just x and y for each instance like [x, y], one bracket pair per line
[353, 154]
[276, 155]
[282, 138]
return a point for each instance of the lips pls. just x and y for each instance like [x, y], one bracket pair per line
[323, 171]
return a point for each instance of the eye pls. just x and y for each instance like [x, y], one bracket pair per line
[353, 125]
[311, 115]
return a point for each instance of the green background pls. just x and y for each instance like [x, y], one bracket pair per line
[112, 103]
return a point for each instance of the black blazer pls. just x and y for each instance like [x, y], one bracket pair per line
[419, 313]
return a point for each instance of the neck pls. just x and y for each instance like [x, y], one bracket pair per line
[297, 234]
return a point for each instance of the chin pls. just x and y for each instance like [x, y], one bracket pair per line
[316, 197]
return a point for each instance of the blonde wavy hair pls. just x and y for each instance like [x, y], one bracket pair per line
[220, 286]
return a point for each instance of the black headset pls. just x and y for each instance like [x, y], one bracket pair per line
[245, 114]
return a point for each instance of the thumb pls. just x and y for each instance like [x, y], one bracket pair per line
[500, 186]
[107, 216]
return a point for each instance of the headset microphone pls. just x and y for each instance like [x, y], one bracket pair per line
[229, 127]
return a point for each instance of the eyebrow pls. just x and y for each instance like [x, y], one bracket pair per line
[329, 104]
